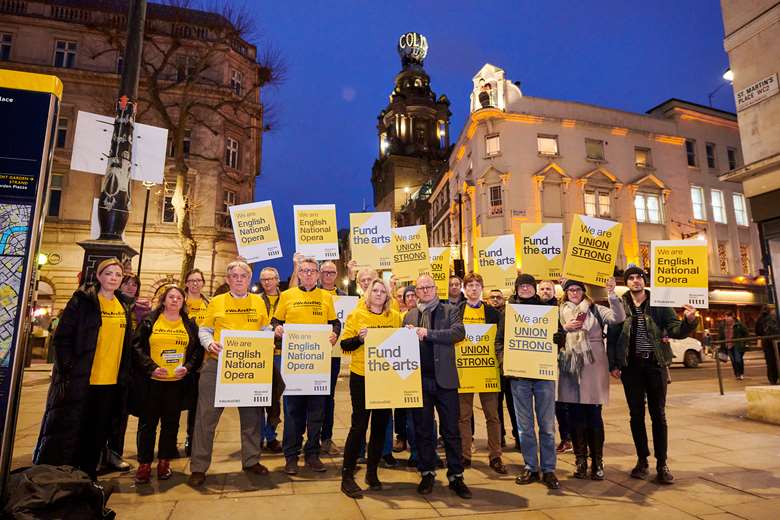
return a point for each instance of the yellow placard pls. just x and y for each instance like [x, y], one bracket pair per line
[679, 273]
[245, 368]
[529, 349]
[344, 306]
[440, 270]
[541, 250]
[495, 261]
[593, 246]
[392, 366]
[316, 231]
[476, 360]
[254, 227]
[306, 359]
[410, 253]
[370, 237]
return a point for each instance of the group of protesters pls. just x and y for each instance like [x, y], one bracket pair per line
[109, 344]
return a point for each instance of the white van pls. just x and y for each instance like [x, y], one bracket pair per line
[687, 351]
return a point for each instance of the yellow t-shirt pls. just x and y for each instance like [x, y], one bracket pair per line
[110, 342]
[313, 307]
[473, 316]
[362, 318]
[196, 308]
[228, 313]
[168, 345]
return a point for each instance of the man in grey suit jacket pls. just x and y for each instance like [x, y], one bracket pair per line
[439, 326]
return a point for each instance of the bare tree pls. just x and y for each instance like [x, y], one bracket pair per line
[181, 86]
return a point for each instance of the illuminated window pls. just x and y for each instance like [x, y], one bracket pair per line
[236, 81]
[547, 145]
[718, 208]
[5, 46]
[711, 156]
[690, 151]
[55, 195]
[699, 207]
[644, 254]
[723, 259]
[740, 209]
[731, 153]
[496, 201]
[594, 149]
[643, 157]
[229, 198]
[744, 258]
[648, 208]
[62, 133]
[231, 153]
[168, 211]
[492, 145]
[597, 203]
[65, 54]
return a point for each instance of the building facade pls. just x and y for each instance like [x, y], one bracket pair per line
[76, 41]
[527, 159]
[753, 44]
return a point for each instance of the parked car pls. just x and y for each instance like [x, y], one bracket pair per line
[688, 351]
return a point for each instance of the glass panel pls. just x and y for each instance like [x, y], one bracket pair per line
[653, 209]
[639, 206]
[604, 204]
[590, 203]
[547, 145]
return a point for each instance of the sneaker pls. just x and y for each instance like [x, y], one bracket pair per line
[256, 469]
[291, 466]
[164, 470]
[664, 476]
[740, 378]
[197, 478]
[550, 480]
[497, 465]
[597, 469]
[143, 474]
[527, 476]
[641, 470]
[460, 488]
[399, 445]
[389, 461]
[314, 463]
[273, 446]
[564, 447]
[426, 484]
[329, 447]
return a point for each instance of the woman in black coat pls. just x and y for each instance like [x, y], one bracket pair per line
[166, 352]
[90, 376]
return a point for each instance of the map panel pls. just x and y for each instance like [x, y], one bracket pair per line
[14, 227]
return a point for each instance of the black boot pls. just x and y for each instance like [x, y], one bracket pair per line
[372, 480]
[596, 446]
[348, 485]
[580, 447]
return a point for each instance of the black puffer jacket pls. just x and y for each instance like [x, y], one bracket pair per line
[75, 342]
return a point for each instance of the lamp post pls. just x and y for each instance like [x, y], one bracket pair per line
[728, 75]
[148, 185]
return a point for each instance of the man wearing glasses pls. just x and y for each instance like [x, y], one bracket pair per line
[438, 326]
[269, 280]
[305, 304]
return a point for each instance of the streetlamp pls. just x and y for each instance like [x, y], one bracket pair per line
[148, 185]
[728, 75]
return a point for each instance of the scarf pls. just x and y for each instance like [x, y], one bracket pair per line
[425, 312]
[577, 352]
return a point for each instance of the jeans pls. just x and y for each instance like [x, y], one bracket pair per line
[538, 395]
[447, 404]
[330, 402]
[272, 413]
[737, 357]
[357, 431]
[644, 378]
[163, 407]
[302, 413]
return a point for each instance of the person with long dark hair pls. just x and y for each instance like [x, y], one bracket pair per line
[91, 373]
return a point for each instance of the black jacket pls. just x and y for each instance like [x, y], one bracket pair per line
[143, 364]
[75, 342]
[446, 330]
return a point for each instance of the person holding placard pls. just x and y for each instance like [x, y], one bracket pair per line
[474, 311]
[196, 303]
[534, 395]
[377, 313]
[166, 353]
[639, 355]
[305, 304]
[269, 281]
[236, 309]
[438, 326]
[583, 381]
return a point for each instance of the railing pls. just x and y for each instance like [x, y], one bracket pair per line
[13, 6]
[70, 14]
[719, 345]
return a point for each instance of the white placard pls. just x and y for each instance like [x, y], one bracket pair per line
[757, 92]
[239, 393]
[306, 359]
[92, 143]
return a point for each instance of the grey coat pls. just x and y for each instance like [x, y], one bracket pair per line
[592, 387]
[446, 330]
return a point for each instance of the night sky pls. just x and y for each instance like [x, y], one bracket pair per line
[341, 61]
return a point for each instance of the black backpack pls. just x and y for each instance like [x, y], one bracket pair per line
[46, 492]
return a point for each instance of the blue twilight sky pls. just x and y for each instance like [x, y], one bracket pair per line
[341, 61]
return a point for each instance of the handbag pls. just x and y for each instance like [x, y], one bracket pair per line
[723, 355]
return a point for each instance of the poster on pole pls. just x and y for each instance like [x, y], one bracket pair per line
[254, 227]
[529, 349]
[542, 250]
[306, 359]
[495, 261]
[344, 306]
[476, 360]
[679, 274]
[440, 270]
[393, 376]
[316, 233]
[245, 369]
[370, 239]
[410, 253]
[593, 246]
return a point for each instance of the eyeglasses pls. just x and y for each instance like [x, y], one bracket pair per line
[425, 287]
[196, 280]
[329, 273]
[308, 271]
[263, 280]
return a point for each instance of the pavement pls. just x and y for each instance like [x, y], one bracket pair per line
[725, 466]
